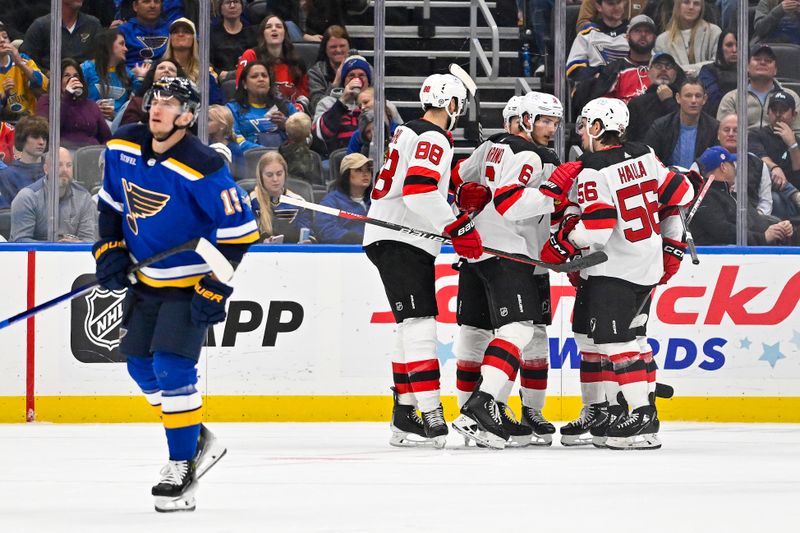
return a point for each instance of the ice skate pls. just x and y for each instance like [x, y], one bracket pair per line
[175, 491]
[482, 408]
[468, 429]
[435, 426]
[408, 430]
[519, 434]
[637, 431]
[209, 451]
[576, 433]
[612, 414]
[541, 428]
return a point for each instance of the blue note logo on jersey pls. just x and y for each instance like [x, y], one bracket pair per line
[142, 203]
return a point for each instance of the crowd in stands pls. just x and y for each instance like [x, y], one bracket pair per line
[672, 61]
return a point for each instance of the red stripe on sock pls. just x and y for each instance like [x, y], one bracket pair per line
[500, 364]
[632, 377]
[422, 366]
[622, 357]
[536, 384]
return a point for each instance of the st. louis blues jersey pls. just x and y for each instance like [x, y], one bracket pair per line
[412, 186]
[517, 220]
[621, 192]
[165, 200]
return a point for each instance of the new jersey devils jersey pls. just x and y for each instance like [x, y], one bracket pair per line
[620, 191]
[411, 188]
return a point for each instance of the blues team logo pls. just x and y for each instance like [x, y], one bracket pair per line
[95, 324]
[142, 203]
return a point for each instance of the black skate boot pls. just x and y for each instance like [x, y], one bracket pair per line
[519, 435]
[610, 416]
[435, 426]
[482, 408]
[209, 451]
[175, 491]
[576, 433]
[637, 431]
[541, 428]
[408, 430]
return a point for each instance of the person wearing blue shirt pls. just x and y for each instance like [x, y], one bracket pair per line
[147, 34]
[351, 193]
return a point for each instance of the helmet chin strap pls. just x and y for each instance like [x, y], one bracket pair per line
[175, 129]
[593, 138]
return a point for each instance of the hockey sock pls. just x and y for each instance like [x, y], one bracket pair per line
[610, 385]
[505, 391]
[501, 360]
[631, 375]
[399, 374]
[650, 364]
[533, 383]
[181, 403]
[468, 347]
[467, 375]
[422, 367]
[591, 376]
[141, 370]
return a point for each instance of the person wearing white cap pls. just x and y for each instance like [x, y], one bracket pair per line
[184, 49]
[351, 193]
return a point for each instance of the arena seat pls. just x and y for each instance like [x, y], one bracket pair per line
[88, 164]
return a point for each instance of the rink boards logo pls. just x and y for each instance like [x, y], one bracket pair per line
[95, 322]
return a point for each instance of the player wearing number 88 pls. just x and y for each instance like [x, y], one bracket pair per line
[627, 201]
[411, 189]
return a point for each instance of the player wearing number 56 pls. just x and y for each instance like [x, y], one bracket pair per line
[161, 188]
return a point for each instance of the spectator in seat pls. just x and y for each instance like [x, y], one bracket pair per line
[714, 222]
[302, 164]
[277, 221]
[336, 117]
[680, 137]
[77, 212]
[350, 193]
[231, 38]
[777, 145]
[184, 50]
[626, 77]
[6, 143]
[258, 116]
[600, 43]
[162, 68]
[30, 141]
[112, 84]
[761, 69]
[275, 49]
[719, 77]
[78, 31]
[688, 38]
[220, 130]
[362, 137]
[82, 122]
[170, 9]
[659, 99]
[21, 81]
[326, 73]
[147, 34]
[777, 21]
[590, 9]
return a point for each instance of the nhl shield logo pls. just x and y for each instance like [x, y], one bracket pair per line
[103, 317]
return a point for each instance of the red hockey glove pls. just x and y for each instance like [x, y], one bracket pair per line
[559, 183]
[465, 238]
[673, 255]
[558, 248]
[472, 197]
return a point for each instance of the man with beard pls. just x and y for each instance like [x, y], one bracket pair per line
[626, 77]
[665, 76]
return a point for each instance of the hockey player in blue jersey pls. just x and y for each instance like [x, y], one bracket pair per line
[162, 187]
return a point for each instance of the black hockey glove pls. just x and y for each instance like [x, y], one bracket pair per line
[112, 264]
[208, 302]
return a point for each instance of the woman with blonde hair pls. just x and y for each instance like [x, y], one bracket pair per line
[277, 221]
[184, 49]
[688, 38]
[220, 131]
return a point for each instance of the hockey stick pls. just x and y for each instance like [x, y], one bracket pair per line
[219, 265]
[578, 263]
[472, 89]
[639, 319]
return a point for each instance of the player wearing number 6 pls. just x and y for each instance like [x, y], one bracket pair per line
[411, 189]
[161, 188]
[621, 193]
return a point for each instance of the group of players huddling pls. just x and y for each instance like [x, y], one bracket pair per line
[513, 194]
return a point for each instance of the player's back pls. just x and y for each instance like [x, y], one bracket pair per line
[618, 190]
[417, 164]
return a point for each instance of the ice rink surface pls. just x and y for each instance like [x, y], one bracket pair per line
[345, 477]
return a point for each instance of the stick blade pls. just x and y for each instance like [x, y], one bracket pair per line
[465, 78]
[217, 262]
[579, 263]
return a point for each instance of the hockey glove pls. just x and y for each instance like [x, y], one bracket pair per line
[112, 264]
[472, 197]
[465, 238]
[673, 255]
[208, 302]
[559, 183]
[574, 278]
[558, 249]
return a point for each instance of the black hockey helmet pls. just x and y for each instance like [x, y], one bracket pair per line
[182, 89]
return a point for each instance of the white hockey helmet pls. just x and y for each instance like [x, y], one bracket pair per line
[611, 112]
[438, 89]
[536, 104]
[512, 108]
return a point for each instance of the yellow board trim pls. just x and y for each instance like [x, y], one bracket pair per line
[100, 409]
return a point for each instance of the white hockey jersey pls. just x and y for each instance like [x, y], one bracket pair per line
[411, 188]
[517, 220]
[620, 192]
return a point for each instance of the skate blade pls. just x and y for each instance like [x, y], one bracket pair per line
[483, 439]
[403, 439]
[518, 441]
[542, 440]
[599, 442]
[648, 441]
[184, 503]
[576, 440]
[214, 453]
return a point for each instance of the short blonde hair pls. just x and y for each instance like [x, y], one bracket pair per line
[298, 127]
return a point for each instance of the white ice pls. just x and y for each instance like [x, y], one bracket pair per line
[345, 477]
